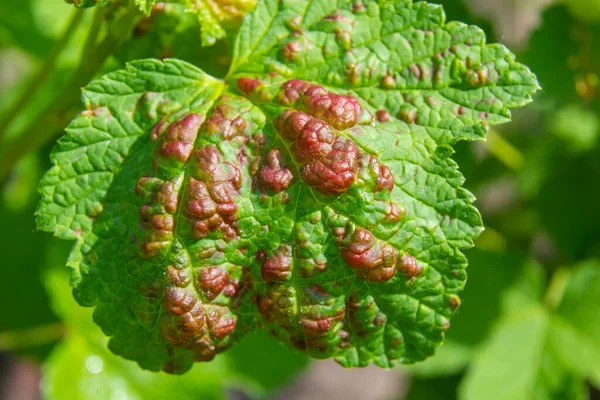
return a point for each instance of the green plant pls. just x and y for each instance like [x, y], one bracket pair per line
[231, 187]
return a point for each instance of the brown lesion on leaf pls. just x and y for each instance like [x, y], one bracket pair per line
[371, 259]
[96, 111]
[377, 174]
[339, 111]
[248, 85]
[453, 301]
[178, 277]
[190, 318]
[310, 319]
[156, 215]
[408, 115]
[394, 213]
[278, 267]
[330, 161]
[293, 49]
[383, 116]
[388, 82]
[363, 318]
[221, 321]
[213, 187]
[409, 266]
[225, 121]
[274, 175]
[176, 141]
[212, 280]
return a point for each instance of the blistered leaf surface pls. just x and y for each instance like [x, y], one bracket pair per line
[81, 367]
[310, 193]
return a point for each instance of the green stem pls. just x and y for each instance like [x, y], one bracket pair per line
[556, 288]
[32, 337]
[35, 83]
[504, 151]
[60, 110]
[87, 54]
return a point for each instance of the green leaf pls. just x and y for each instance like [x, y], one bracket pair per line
[576, 330]
[332, 216]
[537, 353]
[146, 5]
[507, 367]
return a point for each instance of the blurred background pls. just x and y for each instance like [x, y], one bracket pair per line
[529, 324]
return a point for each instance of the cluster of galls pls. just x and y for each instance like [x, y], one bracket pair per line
[177, 142]
[309, 318]
[213, 187]
[197, 310]
[200, 324]
[173, 148]
[373, 259]
[339, 111]
[273, 174]
[330, 161]
[157, 215]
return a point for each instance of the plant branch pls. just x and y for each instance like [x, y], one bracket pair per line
[60, 110]
[32, 337]
[35, 82]
[504, 151]
[87, 53]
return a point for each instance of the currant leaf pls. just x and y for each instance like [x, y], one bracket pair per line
[311, 192]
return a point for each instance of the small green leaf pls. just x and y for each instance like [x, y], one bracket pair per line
[508, 364]
[539, 353]
[576, 330]
[311, 193]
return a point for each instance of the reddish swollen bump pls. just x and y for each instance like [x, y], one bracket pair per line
[339, 111]
[273, 174]
[248, 85]
[278, 267]
[212, 280]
